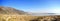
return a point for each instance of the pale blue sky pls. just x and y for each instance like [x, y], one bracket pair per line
[51, 6]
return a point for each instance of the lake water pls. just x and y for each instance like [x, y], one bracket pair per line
[44, 14]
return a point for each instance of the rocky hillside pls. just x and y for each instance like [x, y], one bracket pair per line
[9, 10]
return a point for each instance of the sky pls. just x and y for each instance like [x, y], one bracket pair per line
[35, 6]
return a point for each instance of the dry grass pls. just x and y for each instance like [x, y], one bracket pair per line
[17, 17]
[25, 18]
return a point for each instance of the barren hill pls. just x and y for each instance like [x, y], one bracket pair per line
[9, 10]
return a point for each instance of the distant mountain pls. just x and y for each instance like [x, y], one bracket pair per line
[9, 10]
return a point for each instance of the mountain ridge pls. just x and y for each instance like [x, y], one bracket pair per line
[9, 10]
